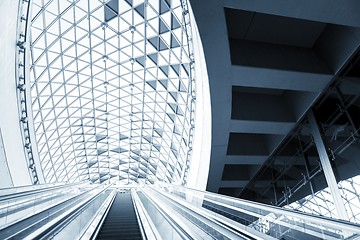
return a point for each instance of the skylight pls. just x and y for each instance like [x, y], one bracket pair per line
[112, 89]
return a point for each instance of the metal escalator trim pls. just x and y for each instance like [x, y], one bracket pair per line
[12, 196]
[141, 226]
[192, 222]
[195, 216]
[196, 213]
[104, 210]
[12, 209]
[331, 223]
[175, 224]
[319, 234]
[150, 231]
[53, 227]
[3, 227]
[291, 226]
[237, 228]
[22, 189]
[18, 206]
[66, 202]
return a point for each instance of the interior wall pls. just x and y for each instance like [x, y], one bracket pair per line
[200, 159]
[13, 157]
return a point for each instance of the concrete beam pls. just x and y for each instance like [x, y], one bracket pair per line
[276, 56]
[337, 44]
[261, 127]
[280, 79]
[328, 11]
[259, 106]
[216, 167]
[242, 159]
[233, 184]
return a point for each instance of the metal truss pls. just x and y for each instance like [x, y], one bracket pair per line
[112, 89]
[321, 203]
[23, 89]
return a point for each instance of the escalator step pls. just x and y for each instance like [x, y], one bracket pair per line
[121, 222]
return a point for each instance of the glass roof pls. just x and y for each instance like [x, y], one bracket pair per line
[112, 89]
[321, 203]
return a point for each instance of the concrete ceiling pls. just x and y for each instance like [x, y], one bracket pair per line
[266, 70]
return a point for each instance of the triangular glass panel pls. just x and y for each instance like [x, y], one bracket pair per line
[113, 175]
[176, 130]
[174, 95]
[141, 10]
[179, 111]
[162, 45]
[153, 57]
[130, 2]
[168, 2]
[99, 137]
[119, 150]
[182, 88]
[159, 131]
[136, 151]
[90, 164]
[164, 83]
[171, 116]
[141, 61]
[164, 6]
[172, 169]
[146, 158]
[174, 41]
[101, 151]
[186, 67]
[176, 68]
[173, 106]
[158, 147]
[152, 84]
[111, 10]
[164, 69]
[154, 42]
[122, 136]
[174, 22]
[162, 26]
[103, 175]
[148, 138]
[172, 146]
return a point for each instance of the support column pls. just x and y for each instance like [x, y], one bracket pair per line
[326, 166]
[307, 169]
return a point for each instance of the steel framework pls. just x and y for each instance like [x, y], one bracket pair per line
[112, 97]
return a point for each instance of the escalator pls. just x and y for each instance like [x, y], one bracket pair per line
[121, 221]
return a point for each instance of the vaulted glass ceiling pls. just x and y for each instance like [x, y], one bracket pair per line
[112, 89]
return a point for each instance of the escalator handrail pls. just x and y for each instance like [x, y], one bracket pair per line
[323, 221]
[53, 227]
[103, 217]
[184, 234]
[235, 228]
[44, 188]
[64, 202]
[147, 227]
[140, 223]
